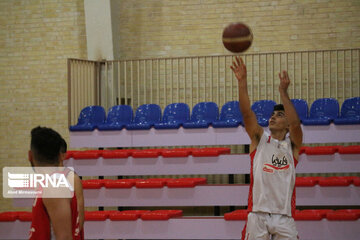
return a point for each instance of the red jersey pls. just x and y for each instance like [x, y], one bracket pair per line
[41, 224]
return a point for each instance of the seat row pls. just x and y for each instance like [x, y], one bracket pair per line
[145, 183]
[196, 152]
[147, 153]
[192, 182]
[322, 112]
[132, 215]
[308, 214]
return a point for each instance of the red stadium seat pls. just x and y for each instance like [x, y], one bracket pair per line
[306, 181]
[70, 154]
[349, 149]
[119, 153]
[161, 214]
[344, 215]
[25, 216]
[210, 152]
[129, 215]
[356, 181]
[93, 183]
[147, 153]
[8, 216]
[152, 182]
[89, 154]
[120, 183]
[310, 214]
[97, 215]
[302, 150]
[236, 215]
[335, 181]
[177, 152]
[322, 150]
[185, 182]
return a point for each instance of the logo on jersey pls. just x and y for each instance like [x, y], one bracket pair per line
[277, 164]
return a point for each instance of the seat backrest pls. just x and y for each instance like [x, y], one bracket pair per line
[208, 111]
[230, 110]
[92, 115]
[148, 113]
[179, 112]
[120, 113]
[263, 108]
[301, 108]
[351, 107]
[324, 108]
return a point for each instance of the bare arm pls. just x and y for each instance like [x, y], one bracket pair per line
[295, 130]
[59, 211]
[253, 129]
[80, 200]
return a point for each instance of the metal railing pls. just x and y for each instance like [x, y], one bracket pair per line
[314, 74]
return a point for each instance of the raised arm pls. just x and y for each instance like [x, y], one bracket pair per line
[253, 129]
[295, 130]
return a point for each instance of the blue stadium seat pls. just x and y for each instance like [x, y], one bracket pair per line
[89, 119]
[301, 107]
[263, 110]
[230, 116]
[350, 112]
[322, 112]
[118, 116]
[145, 117]
[202, 115]
[174, 116]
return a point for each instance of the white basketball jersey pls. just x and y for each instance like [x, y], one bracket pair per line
[272, 177]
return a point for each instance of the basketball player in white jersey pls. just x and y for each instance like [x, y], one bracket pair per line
[273, 160]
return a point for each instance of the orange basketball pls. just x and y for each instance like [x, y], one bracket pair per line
[237, 37]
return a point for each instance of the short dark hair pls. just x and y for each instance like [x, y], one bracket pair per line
[63, 147]
[279, 107]
[45, 145]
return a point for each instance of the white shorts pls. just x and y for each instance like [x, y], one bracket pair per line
[270, 226]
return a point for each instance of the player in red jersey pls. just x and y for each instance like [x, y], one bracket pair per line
[54, 218]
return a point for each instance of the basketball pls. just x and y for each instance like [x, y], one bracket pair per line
[237, 37]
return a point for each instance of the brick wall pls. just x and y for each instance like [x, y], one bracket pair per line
[194, 27]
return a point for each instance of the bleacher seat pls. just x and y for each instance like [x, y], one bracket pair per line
[147, 153]
[118, 153]
[174, 116]
[263, 110]
[177, 152]
[185, 182]
[301, 108]
[161, 214]
[152, 182]
[128, 215]
[350, 112]
[145, 117]
[230, 116]
[209, 152]
[89, 119]
[311, 214]
[349, 149]
[93, 183]
[321, 150]
[202, 115]
[117, 118]
[343, 215]
[322, 112]
[236, 215]
[120, 183]
[89, 154]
